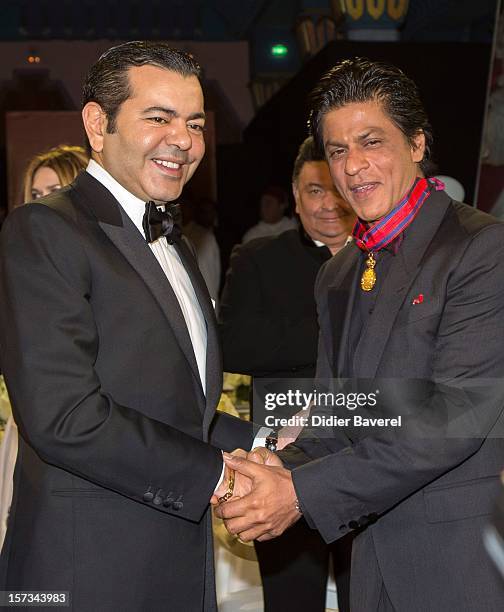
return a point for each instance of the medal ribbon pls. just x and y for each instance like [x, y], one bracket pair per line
[375, 237]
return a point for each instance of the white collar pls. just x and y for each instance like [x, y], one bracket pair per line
[320, 244]
[134, 207]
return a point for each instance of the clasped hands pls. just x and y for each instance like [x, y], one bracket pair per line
[264, 500]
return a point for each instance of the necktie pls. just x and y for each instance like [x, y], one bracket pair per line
[157, 223]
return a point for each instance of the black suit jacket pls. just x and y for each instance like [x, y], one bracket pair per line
[116, 463]
[421, 494]
[268, 316]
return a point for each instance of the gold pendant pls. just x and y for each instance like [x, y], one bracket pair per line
[368, 278]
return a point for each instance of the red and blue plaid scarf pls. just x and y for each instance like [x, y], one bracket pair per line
[372, 238]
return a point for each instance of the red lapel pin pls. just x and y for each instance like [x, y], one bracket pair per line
[418, 299]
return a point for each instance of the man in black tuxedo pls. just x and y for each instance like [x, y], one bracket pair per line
[110, 351]
[269, 329]
[415, 307]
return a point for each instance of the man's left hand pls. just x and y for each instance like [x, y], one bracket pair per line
[242, 484]
[268, 510]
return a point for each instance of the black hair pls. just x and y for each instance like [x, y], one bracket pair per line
[307, 152]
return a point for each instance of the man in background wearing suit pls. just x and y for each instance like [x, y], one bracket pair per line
[269, 329]
[110, 351]
[415, 306]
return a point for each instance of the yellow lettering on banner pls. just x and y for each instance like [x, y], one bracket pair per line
[355, 8]
[376, 8]
[397, 8]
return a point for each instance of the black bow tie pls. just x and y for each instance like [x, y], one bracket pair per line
[157, 223]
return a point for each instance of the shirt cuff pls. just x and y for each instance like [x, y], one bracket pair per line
[262, 434]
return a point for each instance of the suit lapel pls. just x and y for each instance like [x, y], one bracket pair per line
[213, 355]
[403, 271]
[341, 296]
[116, 224]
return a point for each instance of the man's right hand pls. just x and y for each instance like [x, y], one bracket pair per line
[271, 506]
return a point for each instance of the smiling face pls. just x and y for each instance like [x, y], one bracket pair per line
[324, 214]
[158, 139]
[371, 162]
[45, 181]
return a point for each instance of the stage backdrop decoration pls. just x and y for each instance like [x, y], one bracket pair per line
[372, 19]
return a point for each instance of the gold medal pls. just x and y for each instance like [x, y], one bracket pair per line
[368, 278]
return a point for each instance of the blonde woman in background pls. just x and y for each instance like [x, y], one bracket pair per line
[47, 172]
[50, 171]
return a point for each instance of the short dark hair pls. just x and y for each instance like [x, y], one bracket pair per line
[307, 152]
[107, 81]
[361, 80]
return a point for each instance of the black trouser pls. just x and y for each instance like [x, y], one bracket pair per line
[294, 569]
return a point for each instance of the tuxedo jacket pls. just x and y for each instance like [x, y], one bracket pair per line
[418, 496]
[268, 315]
[119, 451]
